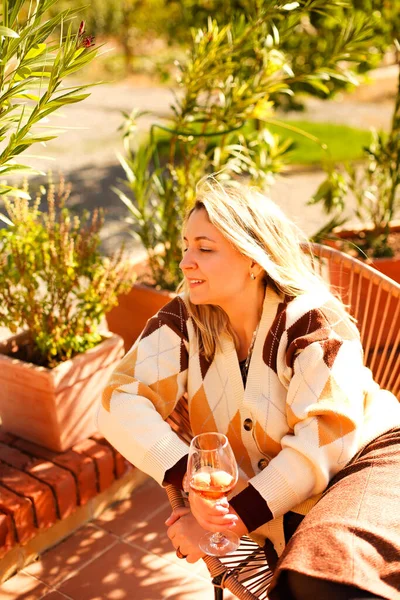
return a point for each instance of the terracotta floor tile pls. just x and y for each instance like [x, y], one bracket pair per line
[192, 589]
[152, 537]
[195, 588]
[22, 587]
[152, 534]
[68, 556]
[54, 595]
[122, 517]
[124, 573]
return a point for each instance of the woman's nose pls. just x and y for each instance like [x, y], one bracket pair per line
[187, 261]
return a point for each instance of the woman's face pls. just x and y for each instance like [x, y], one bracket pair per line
[214, 270]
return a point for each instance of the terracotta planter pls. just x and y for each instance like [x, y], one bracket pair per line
[341, 279]
[133, 311]
[56, 407]
[387, 266]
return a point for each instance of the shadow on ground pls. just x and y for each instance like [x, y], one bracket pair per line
[91, 188]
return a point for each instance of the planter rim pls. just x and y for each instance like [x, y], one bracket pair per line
[109, 338]
[344, 232]
[337, 256]
[144, 286]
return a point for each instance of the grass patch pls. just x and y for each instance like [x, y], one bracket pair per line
[343, 143]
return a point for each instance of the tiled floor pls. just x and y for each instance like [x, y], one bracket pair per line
[123, 555]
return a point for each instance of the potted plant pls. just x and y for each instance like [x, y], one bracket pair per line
[55, 287]
[374, 186]
[219, 124]
[54, 284]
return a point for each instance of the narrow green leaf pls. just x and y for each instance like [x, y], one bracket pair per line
[18, 167]
[315, 83]
[28, 97]
[40, 74]
[70, 98]
[12, 191]
[35, 140]
[127, 168]
[128, 203]
[35, 51]
[7, 32]
[5, 219]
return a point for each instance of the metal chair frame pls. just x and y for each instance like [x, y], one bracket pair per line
[374, 301]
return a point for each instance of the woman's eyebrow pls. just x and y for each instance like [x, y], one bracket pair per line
[200, 237]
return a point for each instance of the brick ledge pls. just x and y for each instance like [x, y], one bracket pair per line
[45, 495]
[21, 556]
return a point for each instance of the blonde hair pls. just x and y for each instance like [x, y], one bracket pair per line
[258, 229]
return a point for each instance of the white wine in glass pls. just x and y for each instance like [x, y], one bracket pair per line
[212, 473]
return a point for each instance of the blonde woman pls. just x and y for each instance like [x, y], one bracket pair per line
[267, 356]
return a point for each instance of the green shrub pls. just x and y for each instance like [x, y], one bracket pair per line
[375, 186]
[221, 118]
[53, 280]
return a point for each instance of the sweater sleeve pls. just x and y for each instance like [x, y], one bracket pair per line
[144, 390]
[174, 475]
[323, 367]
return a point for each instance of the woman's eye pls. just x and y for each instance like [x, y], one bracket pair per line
[200, 249]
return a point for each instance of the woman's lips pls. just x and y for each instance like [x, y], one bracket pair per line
[193, 283]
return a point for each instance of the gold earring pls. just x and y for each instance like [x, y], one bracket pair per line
[252, 276]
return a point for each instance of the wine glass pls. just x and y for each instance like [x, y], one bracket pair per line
[212, 473]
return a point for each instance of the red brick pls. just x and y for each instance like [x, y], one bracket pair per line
[14, 457]
[121, 465]
[61, 482]
[104, 460]
[81, 467]
[28, 487]
[84, 470]
[5, 437]
[21, 512]
[7, 537]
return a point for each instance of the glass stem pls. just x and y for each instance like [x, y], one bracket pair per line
[217, 538]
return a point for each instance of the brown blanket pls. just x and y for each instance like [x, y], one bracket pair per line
[352, 535]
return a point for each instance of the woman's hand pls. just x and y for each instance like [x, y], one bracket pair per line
[185, 532]
[215, 516]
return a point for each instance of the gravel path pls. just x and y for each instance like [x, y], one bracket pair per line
[86, 151]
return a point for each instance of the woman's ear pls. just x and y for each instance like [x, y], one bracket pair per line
[256, 268]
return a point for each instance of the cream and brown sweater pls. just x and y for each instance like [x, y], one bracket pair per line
[308, 407]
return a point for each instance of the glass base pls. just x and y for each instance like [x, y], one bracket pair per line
[219, 544]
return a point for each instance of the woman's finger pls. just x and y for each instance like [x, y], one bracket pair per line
[220, 519]
[217, 524]
[207, 507]
[194, 557]
[176, 514]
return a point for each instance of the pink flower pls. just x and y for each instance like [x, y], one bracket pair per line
[84, 42]
[88, 41]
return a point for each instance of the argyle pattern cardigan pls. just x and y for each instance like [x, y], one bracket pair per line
[310, 402]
